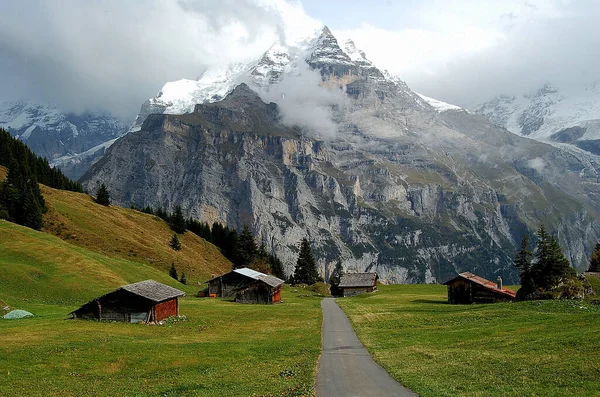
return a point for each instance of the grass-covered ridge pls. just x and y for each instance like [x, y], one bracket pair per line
[539, 348]
[38, 268]
[128, 234]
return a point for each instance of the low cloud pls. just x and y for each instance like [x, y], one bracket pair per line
[305, 103]
[113, 55]
[463, 52]
[537, 164]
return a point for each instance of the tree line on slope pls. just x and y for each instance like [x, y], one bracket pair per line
[20, 198]
[546, 273]
[240, 248]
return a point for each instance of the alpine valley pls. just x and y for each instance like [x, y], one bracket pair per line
[312, 140]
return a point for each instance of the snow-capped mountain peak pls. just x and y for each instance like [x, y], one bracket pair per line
[551, 114]
[356, 55]
[322, 52]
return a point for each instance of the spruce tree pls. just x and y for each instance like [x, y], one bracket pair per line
[276, 267]
[245, 250]
[183, 279]
[177, 221]
[306, 267]
[173, 271]
[175, 244]
[31, 211]
[595, 259]
[550, 264]
[102, 196]
[261, 260]
[523, 264]
[335, 277]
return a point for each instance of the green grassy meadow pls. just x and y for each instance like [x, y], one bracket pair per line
[539, 348]
[221, 349]
[544, 348]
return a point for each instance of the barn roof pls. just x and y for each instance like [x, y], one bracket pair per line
[492, 286]
[153, 290]
[351, 280]
[149, 289]
[253, 274]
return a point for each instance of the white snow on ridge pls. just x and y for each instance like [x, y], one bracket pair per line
[541, 114]
[439, 105]
[77, 158]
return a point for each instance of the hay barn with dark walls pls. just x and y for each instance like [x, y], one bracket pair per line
[146, 301]
[247, 285]
[469, 288]
[358, 283]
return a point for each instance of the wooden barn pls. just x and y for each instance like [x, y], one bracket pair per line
[358, 283]
[470, 288]
[247, 285]
[147, 301]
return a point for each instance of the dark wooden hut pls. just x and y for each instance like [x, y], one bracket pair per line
[147, 301]
[247, 285]
[358, 283]
[470, 288]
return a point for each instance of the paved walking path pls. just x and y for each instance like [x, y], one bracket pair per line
[346, 368]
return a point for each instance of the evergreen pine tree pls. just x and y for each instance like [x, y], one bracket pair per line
[523, 264]
[335, 277]
[595, 259]
[306, 267]
[276, 267]
[245, 250]
[30, 210]
[173, 271]
[550, 264]
[177, 221]
[102, 196]
[183, 279]
[261, 261]
[175, 244]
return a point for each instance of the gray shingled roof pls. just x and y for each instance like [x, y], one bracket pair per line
[153, 290]
[351, 280]
[253, 274]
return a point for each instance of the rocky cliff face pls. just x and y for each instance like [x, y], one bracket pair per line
[71, 142]
[402, 188]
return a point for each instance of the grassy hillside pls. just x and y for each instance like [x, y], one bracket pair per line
[539, 348]
[128, 234]
[222, 349]
[38, 268]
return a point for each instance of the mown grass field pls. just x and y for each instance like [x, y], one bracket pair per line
[543, 348]
[128, 234]
[222, 349]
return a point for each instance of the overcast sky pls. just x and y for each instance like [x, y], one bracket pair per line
[113, 54]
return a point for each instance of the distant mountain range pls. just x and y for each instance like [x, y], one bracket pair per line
[551, 115]
[69, 141]
[312, 140]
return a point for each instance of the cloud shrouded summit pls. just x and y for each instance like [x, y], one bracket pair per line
[113, 55]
